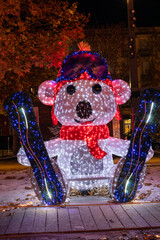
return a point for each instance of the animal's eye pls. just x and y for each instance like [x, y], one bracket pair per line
[96, 88]
[71, 89]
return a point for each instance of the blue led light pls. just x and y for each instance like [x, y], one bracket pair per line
[146, 126]
[50, 182]
[76, 73]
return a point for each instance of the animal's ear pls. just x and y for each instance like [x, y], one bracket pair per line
[46, 92]
[121, 91]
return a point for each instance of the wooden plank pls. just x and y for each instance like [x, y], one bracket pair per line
[99, 218]
[28, 220]
[40, 220]
[152, 221]
[157, 205]
[51, 220]
[1, 211]
[135, 216]
[153, 210]
[15, 223]
[111, 217]
[64, 220]
[76, 222]
[87, 218]
[123, 216]
[5, 220]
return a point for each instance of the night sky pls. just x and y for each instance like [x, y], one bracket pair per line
[115, 11]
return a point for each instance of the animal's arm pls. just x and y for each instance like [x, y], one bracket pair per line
[117, 146]
[22, 158]
[120, 147]
[150, 154]
[53, 148]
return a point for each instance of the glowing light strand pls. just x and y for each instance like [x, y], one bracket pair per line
[149, 116]
[41, 169]
[133, 142]
[138, 165]
[39, 150]
[127, 182]
[84, 148]
[84, 129]
[24, 144]
[124, 191]
[25, 117]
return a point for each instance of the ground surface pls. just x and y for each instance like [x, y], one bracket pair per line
[142, 234]
[16, 189]
[100, 221]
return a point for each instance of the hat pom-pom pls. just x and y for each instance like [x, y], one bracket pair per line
[84, 46]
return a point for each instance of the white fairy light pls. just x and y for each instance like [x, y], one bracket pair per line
[25, 117]
[49, 194]
[73, 156]
[127, 182]
[149, 116]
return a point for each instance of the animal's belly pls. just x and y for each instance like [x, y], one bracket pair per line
[85, 164]
[82, 170]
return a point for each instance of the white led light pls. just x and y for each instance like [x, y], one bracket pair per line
[75, 159]
[25, 117]
[121, 90]
[127, 182]
[149, 116]
[46, 92]
[49, 194]
[103, 104]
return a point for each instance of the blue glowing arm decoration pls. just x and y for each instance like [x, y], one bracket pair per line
[48, 176]
[129, 170]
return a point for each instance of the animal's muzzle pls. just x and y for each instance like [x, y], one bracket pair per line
[84, 109]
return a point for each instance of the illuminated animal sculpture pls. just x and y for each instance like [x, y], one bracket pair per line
[84, 99]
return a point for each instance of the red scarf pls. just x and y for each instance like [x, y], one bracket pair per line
[91, 134]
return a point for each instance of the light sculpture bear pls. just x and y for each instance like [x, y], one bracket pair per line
[84, 98]
[84, 106]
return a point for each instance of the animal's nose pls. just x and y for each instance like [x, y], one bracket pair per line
[84, 109]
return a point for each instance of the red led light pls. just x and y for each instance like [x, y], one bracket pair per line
[58, 86]
[91, 134]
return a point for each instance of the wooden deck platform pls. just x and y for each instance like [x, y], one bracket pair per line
[79, 218]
